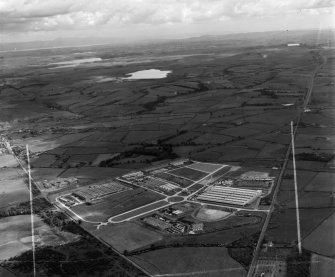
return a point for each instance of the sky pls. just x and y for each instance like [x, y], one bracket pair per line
[29, 20]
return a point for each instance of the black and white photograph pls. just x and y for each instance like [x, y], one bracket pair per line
[167, 138]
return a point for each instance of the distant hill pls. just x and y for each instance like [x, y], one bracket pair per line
[256, 38]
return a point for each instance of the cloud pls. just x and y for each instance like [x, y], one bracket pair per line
[44, 15]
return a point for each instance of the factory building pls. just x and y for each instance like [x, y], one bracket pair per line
[229, 195]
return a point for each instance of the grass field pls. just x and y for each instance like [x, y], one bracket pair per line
[303, 178]
[205, 214]
[323, 181]
[5, 273]
[282, 227]
[16, 235]
[13, 188]
[44, 160]
[116, 204]
[190, 261]
[321, 239]
[313, 199]
[207, 167]
[322, 266]
[140, 211]
[7, 161]
[94, 173]
[232, 222]
[41, 174]
[127, 236]
[188, 173]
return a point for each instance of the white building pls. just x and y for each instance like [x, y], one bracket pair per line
[229, 195]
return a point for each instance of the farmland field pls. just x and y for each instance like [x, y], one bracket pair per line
[7, 161]
[16, 235]
[207, 167]
[189, 261]
[188, 173]
[282, 228]
[127, 236]
[6, 273]
[323, 181]
[13, 187]
[322, 266]
[319, 241]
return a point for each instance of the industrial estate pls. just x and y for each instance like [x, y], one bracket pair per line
[222, 189]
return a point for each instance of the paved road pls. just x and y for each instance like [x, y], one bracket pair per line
[267, 220]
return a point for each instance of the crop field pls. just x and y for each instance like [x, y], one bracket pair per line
[44, 160]
[80, 160]
[13, 187]
[206, 167]
[188, 173]
[190, 261]
[223, 235]
[240, 131]
[41, 174]
[322, 266]
[271, 151]
[93, 172]
[304, 177]
[16, 235]
[7, 160]
[313, 199]
[6, 273]
[309, 165]
[106, 207]
[138, 136]
[214, 138]
[127, 236]
[283, 229]
[320, 240]
[183, 138]
[323, 181]
[234, 153]
[232, 222]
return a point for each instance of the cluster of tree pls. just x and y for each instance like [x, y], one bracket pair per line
[86, 257]
[268, 92]
[299, 265]
[150, 106]
[55, 218]
[153, 247]
[160, 152]
[39, 205]
[322, 157]
[242, 250]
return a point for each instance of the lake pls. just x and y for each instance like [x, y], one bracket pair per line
[148, 74]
